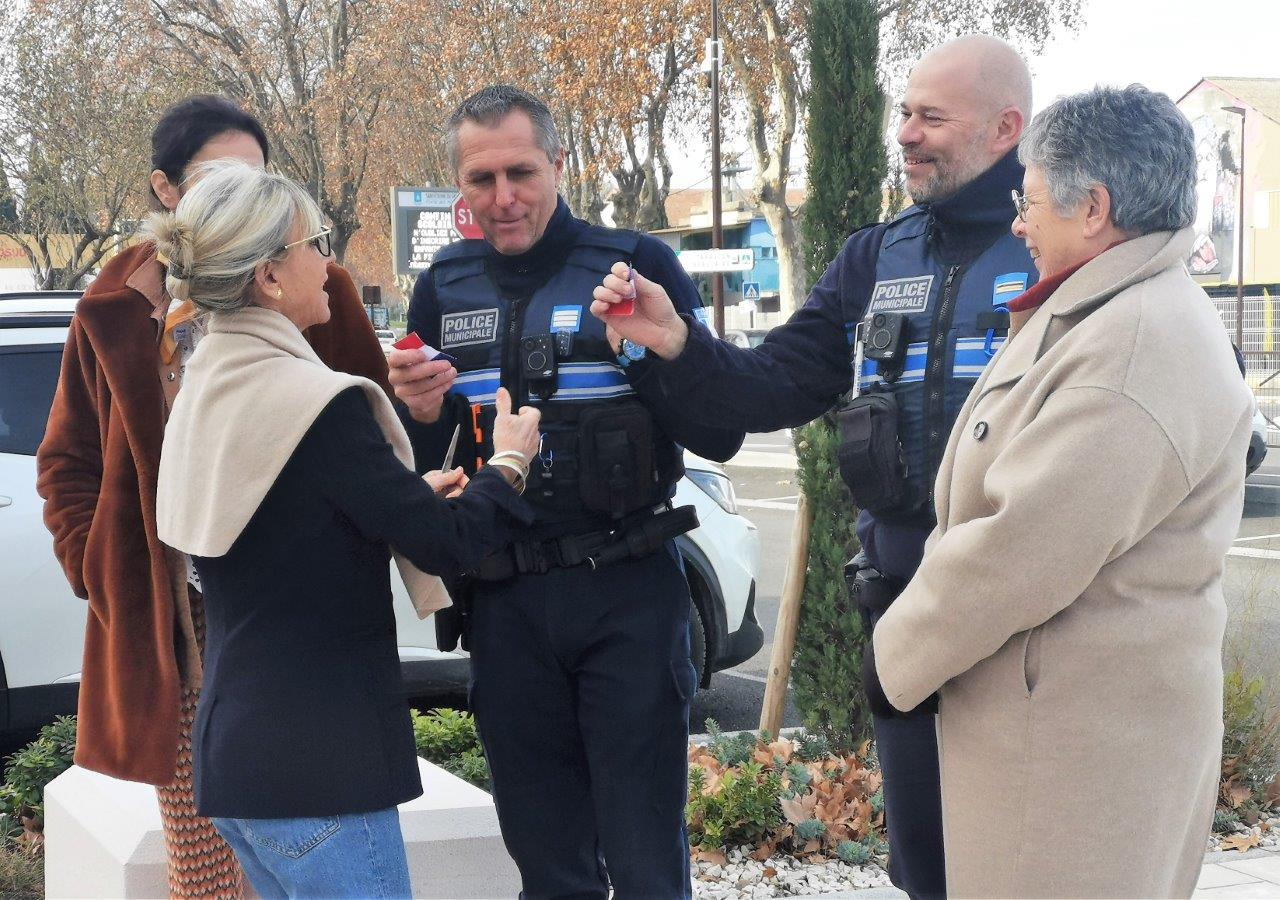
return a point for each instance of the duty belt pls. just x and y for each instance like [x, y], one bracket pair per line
[594, 549]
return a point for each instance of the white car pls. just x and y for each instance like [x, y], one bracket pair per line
[42, 622]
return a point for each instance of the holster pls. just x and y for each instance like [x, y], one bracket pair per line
[453, 623]
[871, 589]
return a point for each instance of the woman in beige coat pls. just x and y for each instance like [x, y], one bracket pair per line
[1069, 609]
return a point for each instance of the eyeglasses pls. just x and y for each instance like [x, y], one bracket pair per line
[322, 241]
[1020, 203]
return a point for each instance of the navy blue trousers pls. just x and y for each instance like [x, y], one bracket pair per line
[908, 751]
[580, 687]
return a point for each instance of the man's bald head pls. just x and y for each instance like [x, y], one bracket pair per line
[964, 109]
[992, 70]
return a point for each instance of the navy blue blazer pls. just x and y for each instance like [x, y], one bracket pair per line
[302, 711]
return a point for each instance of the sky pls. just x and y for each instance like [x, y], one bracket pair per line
[1168, 45]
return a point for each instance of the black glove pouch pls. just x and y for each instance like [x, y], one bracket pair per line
[617, 472]
[871, 462]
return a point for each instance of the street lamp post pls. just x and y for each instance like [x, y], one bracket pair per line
[1240, 111]
[717, 235]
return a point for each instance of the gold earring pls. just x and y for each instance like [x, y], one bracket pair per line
[279, 293]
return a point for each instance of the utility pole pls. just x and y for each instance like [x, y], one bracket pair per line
[717, 234]
[1240, 111]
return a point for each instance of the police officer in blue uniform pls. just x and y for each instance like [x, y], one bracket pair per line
[915, 307]
[581, 676]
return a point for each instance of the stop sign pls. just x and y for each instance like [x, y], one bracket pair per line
[463, 221]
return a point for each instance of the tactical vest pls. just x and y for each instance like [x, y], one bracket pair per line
[955, 319]
[602, 455]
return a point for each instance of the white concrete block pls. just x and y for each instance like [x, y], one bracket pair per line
[103, 838]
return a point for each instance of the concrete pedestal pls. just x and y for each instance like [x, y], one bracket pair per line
[103, 839]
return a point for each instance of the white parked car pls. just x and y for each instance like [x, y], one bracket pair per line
[42, 622]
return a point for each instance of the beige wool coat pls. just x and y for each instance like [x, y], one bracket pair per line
[1069, 607]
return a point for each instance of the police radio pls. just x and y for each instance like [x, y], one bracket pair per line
[538, 364]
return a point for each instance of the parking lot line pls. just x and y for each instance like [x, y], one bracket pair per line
[1254, 553]
[1260, 537]
[766, 504]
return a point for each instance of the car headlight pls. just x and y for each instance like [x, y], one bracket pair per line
[717, 487]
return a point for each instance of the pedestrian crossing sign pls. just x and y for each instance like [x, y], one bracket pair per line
[751, 291]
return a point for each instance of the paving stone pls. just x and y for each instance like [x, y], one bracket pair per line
[1215, 876]
[1265, 869]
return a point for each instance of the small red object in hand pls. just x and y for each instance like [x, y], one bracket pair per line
[410, 341]
[626, 307]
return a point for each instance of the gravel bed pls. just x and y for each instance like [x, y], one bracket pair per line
[743, 878]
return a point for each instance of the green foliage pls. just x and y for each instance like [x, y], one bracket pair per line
[810, 830]
[1225, 820]
[854, 853]
[442, 734]
[1250, 751]
[877, 802]
[473, 767]
[449, 739]
[30, 769]
[799, 779]
[844, 138]
[846, 171]
[731, 749]
[743, 811]
[812, 747]
[826, 673]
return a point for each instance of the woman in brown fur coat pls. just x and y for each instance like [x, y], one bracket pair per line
[122, 368]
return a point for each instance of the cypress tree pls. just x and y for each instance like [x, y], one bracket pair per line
[846, 171]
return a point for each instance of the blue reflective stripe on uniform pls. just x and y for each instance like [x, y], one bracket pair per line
[480, 386]
[591, 381]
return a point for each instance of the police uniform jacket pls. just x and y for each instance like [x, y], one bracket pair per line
[1069, 607]
[805, 364]
[480, 338]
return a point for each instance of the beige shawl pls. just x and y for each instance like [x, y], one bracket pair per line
[251, 391]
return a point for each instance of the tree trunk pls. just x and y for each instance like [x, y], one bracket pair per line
[792, 281]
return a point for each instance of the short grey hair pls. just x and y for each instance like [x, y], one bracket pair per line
[489, 106]
[1132, 141]
[234, 218]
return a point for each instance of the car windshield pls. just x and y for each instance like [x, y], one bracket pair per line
[28, 378]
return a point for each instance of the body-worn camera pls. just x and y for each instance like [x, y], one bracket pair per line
[886, 339]
[538, 364]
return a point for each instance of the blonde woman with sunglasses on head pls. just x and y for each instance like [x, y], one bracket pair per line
[290, 485]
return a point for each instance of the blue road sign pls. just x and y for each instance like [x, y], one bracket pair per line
[751, 291]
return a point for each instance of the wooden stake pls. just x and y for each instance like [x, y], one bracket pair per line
[784, 633]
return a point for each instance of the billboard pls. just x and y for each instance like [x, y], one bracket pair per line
[1217, 142]
[424, 219]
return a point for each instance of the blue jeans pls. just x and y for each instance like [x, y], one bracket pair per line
[351, 855]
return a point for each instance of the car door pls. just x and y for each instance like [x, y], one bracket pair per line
[41, 622]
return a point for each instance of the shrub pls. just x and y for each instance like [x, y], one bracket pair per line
[742, 810]
[730, 749]
[780, 801]
[855, 854]
[1250, 752]
[473, 767]
[449, 739]
[810, 830]
[29, 770]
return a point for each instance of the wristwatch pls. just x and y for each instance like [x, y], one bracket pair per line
[631, 352]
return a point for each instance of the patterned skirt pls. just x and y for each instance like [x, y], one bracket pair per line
[200, 862]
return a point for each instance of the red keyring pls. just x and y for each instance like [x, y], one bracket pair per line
[626, 307]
